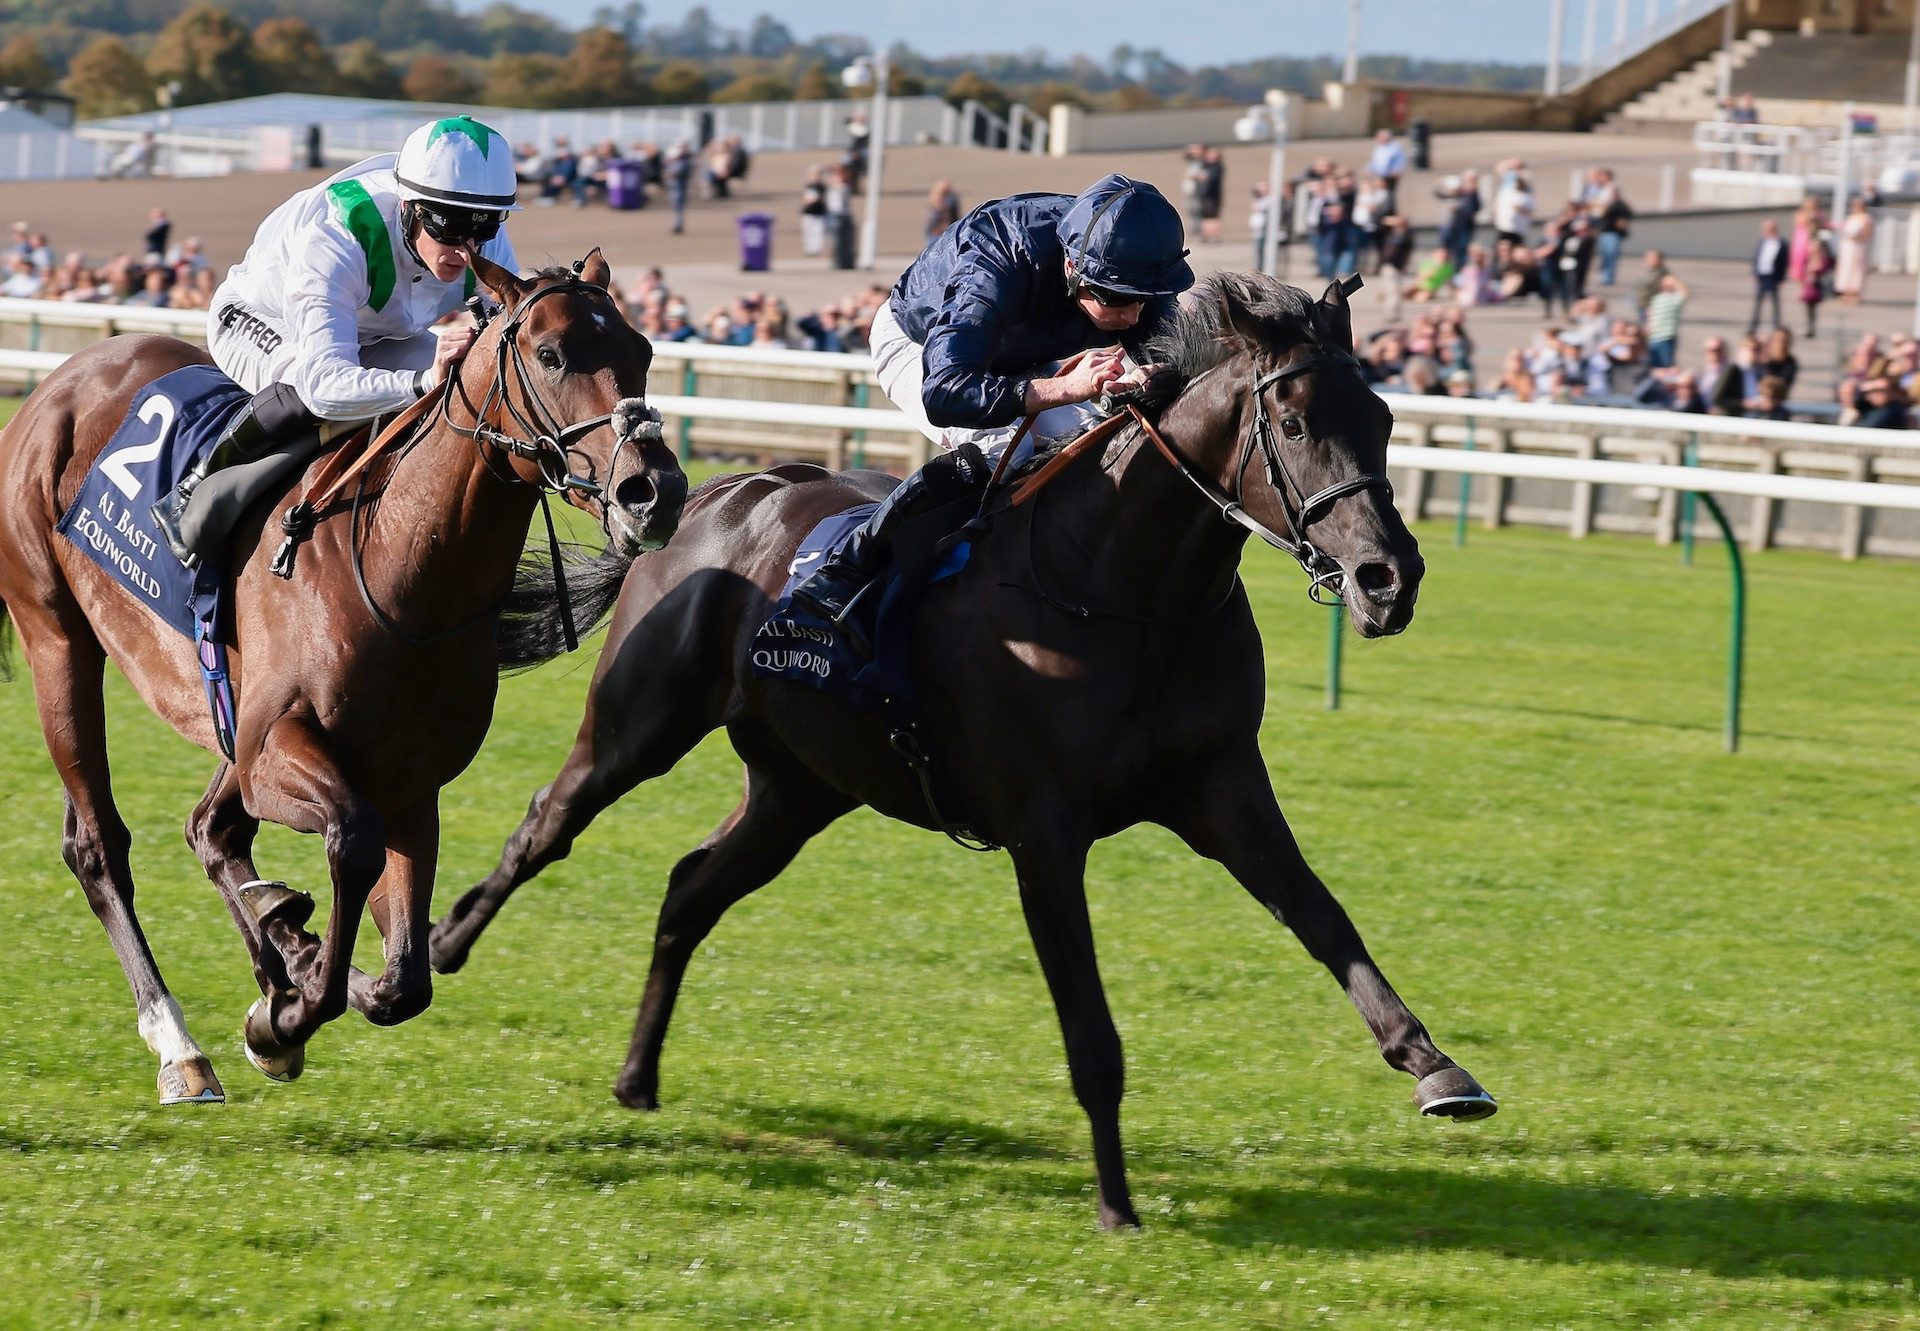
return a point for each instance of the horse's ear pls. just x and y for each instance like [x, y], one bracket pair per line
[594, 269]
[1339, 315]
[1234, 295]
[506, 289]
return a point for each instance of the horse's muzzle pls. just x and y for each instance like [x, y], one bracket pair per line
[1380, 594]
[644, 510]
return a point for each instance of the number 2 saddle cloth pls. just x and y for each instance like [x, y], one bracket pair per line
[171, 424]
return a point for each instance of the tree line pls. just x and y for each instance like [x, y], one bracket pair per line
[115, 56]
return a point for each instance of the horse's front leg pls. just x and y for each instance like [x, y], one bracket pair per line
[295, 782]
[402, 903]
[1053, 896]
[1230, 815]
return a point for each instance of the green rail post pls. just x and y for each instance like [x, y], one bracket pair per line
[1466, 493]
[1737, 652]
[689, 387]
[33, 333]
[1337, 619]
[1689, 457]
[860, 436]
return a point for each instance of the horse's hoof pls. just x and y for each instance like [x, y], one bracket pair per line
[264, 1050]
[273, 900]
[637, 1097]
[1116, 1218]
[443, 954]
[190, 1082]
[1452, 1093]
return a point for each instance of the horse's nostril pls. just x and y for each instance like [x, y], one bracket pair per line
[635, 493]
[1378, 580]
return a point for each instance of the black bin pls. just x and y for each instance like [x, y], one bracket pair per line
[1420, 135]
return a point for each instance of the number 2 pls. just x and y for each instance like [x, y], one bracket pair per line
[114, 466]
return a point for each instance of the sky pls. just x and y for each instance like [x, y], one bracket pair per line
[1228, 30]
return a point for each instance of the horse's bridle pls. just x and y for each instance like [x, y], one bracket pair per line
[1302, 510]
[551, 445]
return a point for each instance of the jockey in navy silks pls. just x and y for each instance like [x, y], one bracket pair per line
[1032, 305]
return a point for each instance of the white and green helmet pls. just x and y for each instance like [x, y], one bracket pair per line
[457, 163]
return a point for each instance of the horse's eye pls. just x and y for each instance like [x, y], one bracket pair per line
[1292, 428]
[549, 358]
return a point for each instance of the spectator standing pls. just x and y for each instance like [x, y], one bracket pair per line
[813, 212]
[1663, 321]
[1388, 162]
[1463, 212]
[1814, 270]
[1656, 261]
[1769, 271]
[1850, 268]
[1192, 179]
[943, 208]
[159, 227]
[840, 215]
[1396, 256]
[1371, 204]
[1513, 203]
[859, 136]
[1613, 219]
[1807, 224]
[679, 174]
[1213, 187]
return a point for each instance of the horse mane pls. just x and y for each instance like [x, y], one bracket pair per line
[1215, 316]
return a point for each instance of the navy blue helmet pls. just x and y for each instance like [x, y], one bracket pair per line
[1123, 236]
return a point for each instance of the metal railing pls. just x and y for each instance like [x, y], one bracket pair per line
[1629, 40]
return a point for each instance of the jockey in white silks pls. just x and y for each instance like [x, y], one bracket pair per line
[329, 316]
[1029, 306]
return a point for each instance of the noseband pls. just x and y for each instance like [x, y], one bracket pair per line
[1302, 510]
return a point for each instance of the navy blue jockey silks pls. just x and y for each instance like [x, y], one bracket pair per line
[796, 644]
[988, 300]
[171, 423]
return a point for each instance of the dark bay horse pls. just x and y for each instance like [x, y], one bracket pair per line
[350, 720]
[1096, 666]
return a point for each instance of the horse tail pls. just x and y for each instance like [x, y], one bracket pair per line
[6, 644]
[531, 629]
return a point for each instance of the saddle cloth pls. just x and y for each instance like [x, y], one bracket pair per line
[170, 425]
[796, 644]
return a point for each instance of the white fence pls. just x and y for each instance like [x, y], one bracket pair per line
[1587, 469]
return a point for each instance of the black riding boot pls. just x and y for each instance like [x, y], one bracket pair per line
[274, 417]
[832, 591]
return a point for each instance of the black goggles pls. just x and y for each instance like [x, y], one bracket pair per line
[458, 226]
[1111, 299]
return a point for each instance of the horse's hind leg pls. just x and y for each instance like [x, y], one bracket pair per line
[68, 667]
[757, 840]
[1231, 816]
[609, 758]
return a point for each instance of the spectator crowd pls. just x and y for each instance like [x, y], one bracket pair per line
[1595, 346]
[161, 274]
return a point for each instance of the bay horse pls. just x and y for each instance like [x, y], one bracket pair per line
[365, 682]
[1097, 665]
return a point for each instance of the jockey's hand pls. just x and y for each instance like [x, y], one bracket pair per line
[1081, 378]
[454, 342]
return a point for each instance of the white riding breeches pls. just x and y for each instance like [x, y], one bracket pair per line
[900, 367]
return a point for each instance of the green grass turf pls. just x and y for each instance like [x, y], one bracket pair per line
[1690, 979]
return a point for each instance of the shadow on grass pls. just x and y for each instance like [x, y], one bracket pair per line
[1804, 1235]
